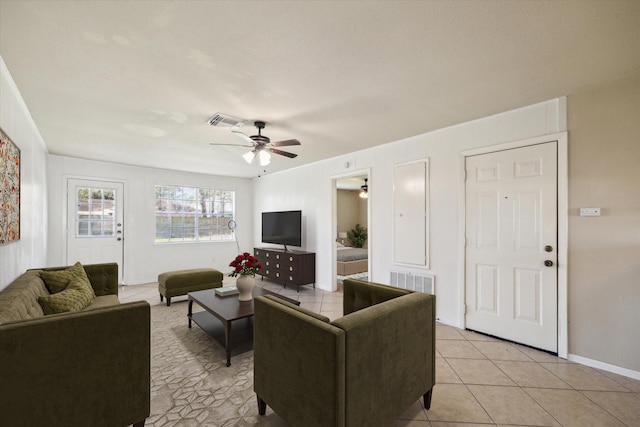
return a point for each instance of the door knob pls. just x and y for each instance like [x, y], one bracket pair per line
[548, 248]
[548, 263]
[119, 238]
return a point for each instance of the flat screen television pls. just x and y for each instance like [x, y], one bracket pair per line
[282, 228]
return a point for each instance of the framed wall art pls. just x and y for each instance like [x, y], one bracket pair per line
[9, 190]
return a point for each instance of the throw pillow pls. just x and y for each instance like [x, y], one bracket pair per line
[58, 280]
[75, 297]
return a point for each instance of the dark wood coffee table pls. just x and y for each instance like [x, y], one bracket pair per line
[223, 317]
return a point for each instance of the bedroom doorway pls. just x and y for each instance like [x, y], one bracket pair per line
[352, 227]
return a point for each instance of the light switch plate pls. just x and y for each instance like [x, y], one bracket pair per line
[589, 211]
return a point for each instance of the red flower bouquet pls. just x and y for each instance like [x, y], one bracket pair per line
[245, 265]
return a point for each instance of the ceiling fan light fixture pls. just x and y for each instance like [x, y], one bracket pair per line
[265, 157]
[260, 145]
[249, 156]
[364, 190]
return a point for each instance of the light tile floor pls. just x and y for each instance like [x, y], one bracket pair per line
[483, 381]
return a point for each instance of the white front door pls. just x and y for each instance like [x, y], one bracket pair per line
[511, 245]
[95, 231]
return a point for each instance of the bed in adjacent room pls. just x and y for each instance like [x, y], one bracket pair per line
[351, 260]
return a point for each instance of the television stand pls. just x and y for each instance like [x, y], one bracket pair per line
[288, 267]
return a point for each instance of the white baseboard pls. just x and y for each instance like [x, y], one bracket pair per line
[448, 323]
[605, 366]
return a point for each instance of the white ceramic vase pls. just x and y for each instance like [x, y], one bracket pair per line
[245, 286]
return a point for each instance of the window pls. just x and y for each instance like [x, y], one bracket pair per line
[95, 212]
[189, 214]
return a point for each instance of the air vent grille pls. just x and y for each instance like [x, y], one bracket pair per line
[219, 119]
[414, 282]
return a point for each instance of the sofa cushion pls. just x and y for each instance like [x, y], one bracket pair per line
[58, 280]
[103, 301]
[75, 297]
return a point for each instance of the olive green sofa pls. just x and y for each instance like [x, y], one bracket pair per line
[363, 369]
[82, 368]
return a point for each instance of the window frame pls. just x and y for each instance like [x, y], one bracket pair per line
[183, 209]
[95, 213]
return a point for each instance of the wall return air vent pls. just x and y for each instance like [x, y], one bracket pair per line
[414, 282]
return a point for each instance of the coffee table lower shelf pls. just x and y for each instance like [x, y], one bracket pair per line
[241, 335]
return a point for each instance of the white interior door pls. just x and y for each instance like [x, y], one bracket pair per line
[95, 231]
[511, 245]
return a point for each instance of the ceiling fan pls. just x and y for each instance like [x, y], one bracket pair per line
[262, 146]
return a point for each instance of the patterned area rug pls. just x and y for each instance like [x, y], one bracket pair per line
[190, 382]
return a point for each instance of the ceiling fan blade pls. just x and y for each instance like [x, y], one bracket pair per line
[232, 145]
[285, 143]
[282, 153]
[243, 136]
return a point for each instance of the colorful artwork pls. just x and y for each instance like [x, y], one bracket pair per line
[9, 190]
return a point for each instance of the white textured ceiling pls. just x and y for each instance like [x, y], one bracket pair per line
[135, 81]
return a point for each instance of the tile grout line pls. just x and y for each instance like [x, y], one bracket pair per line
[600, 406]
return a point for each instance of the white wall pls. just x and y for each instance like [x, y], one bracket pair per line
[144, 259]
[604, 251]
[310, 188]
[16, 122]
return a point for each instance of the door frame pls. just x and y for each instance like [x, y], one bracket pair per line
[334, 220]
[561, 138]
[65, 215]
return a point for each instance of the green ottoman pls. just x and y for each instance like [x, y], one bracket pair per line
[181, 282]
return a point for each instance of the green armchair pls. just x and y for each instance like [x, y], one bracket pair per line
[363, 369]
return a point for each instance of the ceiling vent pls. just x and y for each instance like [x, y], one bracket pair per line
[219, 119]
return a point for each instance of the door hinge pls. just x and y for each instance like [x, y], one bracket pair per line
[464, 308]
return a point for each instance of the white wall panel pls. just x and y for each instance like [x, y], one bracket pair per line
[410, 220]
[16, 122]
